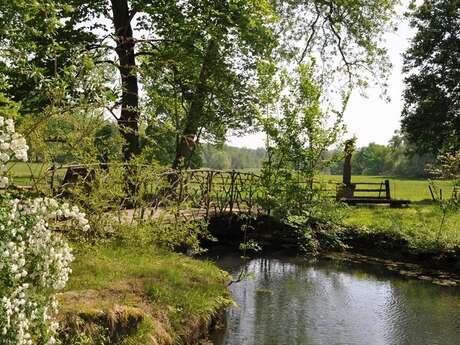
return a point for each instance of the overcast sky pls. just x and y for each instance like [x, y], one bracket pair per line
[371, 119]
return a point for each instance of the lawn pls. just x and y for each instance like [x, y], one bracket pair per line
[419, 223]
[24, 173]
[411, 189]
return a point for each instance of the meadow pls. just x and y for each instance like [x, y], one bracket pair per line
[24, 173]
[415, 190]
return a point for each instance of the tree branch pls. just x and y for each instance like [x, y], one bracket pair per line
[312, 35]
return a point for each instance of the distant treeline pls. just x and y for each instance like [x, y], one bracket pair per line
[395, 159]
[229, 157]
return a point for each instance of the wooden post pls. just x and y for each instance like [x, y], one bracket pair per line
[232, 187]
[208, 192]
[347, 169]
[347, 189]
[387, 190]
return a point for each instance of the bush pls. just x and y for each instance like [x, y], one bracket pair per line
[34, 258]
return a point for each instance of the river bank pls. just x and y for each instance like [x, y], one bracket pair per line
[125, 295]
[381, 247]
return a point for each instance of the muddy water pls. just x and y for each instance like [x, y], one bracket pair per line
[292, 301]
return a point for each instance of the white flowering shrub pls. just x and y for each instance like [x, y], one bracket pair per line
[34, 257]
[12, 145]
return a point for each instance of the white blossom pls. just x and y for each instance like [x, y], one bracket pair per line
[34, 259]
[12, 145]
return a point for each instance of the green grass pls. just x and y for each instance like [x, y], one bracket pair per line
[410, 189]
[22, 173]
[418, 224]
[25, 169]
[172, 291]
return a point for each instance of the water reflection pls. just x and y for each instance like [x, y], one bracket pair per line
[291, 301]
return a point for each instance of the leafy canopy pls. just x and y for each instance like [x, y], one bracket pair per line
[431, 114]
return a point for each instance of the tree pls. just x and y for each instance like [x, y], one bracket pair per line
[46, 66]
[98, 34]
[39, 51]
[344, 38]
[201, 78]
[198, 60]
[398, 158]
[431, 114]
[371, 160]
[300, 137]
[209, 41]
[125, 49]
[405, 161]
[229, 157]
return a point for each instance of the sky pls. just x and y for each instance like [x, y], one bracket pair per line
[370, 119]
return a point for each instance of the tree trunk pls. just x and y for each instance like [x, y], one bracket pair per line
[128, 121]
[188, 140]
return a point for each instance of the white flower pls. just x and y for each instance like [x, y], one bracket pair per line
[3, 182]
[34, 259]
[9, 125]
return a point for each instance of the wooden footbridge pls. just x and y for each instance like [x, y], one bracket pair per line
[198, 193]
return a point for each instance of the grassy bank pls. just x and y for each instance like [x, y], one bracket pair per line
[420, 225]
[130, 295]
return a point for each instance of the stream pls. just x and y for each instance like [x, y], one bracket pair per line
[293, 301]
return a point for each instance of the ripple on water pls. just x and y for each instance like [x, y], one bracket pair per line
[291, 301]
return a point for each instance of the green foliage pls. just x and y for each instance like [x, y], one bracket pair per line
[346, 35]
[171, 232]
[206, 66]
[419, 225]
[319, 226]
[424, 227]
[203, 84]
[395, 159]
[297, 143]
[449, 168]
[431, 112]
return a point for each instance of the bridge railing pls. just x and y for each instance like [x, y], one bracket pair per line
[211, 191]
